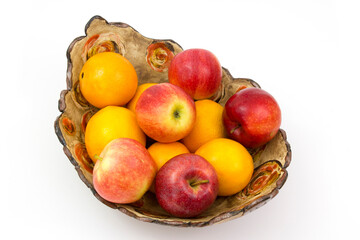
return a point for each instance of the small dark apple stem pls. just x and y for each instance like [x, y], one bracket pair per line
[193, 184]
[233, 130]
[97, 157]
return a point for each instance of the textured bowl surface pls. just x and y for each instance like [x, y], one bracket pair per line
[151, 59]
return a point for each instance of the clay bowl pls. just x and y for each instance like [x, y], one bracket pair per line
[151, 58]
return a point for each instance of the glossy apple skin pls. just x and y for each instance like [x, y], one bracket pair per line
[252, 117]
[173, 185]
[124, 171]
[197, 71]
[165, 112]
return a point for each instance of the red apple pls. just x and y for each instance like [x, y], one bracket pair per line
[252, 117]
[197, 71]
[165, 112]
[186, 185]
[124, 171]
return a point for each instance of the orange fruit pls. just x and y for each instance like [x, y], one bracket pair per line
[208, 125]
[141, 88]
[108, 124]
[108, 79]
[232, 162]
[163, 152]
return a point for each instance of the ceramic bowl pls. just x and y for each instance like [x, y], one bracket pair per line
[151, 58]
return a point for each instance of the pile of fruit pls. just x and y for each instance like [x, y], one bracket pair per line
[198, 150]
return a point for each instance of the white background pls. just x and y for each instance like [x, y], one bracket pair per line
[305, 53]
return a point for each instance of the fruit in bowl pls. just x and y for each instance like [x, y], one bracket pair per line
[165, 112]
[270, 161]
[232, 162]
[252, 117]
[197, 71]
[108, 79]
[108, 124]
[124, 171]
[163, 152]
[208, 124]
[186, 185]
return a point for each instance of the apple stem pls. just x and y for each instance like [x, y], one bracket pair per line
[193, 184]
[97, 157]
[233, 130]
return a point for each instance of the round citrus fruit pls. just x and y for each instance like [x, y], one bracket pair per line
[232, 162]
[208, 125]
[163, 152]
[141, 88]
[108, 79]
[108, 124]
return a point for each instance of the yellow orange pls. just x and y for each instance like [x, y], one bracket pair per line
[108, 124]
[232, 162]
[141, 88]
[108, 79]
[208, 125]
[163, 152]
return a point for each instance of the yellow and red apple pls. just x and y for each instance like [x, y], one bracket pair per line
[124, 171]
[165, 112]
